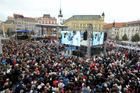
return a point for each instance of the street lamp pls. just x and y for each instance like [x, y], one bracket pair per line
[3, 30]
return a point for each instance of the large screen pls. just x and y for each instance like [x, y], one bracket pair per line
[70, 38]
[76, 38]
[98, 38]
[64, 37]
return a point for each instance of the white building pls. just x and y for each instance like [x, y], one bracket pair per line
[120, 29]
[130, 29]
[113, 29]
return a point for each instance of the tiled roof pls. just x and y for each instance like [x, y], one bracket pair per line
[18, 16]
[25, 18]
[134, 22]
[110, 25]
[29, 18]
[9, 21]
[84, 17]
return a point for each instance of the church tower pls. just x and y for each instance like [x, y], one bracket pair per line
[60, 16]
[103, 16]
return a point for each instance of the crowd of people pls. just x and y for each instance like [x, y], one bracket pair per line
[41, 67]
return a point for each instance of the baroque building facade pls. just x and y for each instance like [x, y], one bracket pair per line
[80, 22]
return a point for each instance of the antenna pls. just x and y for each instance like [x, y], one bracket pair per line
[60, 16]
[60, 11]
[60, 4]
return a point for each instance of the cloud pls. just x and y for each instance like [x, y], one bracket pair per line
[120, 10]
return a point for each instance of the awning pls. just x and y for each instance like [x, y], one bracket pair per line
[24, 31]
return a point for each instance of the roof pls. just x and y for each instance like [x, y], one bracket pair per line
[134, 22]
[23, 31]
[110, 25]
[50, 25]
[84, 17]
[9, 21]
[29, 19]
[18, 16]
[46, 15]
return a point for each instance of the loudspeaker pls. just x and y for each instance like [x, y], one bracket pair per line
[85, 35]
[105, 36]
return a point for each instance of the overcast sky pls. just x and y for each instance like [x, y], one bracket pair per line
[115, 10]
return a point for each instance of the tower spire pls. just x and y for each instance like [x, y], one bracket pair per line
[60, 16]
[60, 11]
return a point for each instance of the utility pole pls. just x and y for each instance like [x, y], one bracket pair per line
[89, 33]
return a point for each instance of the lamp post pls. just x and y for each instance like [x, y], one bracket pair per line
[0, 47]
[3, 29]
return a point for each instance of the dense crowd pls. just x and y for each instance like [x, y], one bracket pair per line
[41, 67]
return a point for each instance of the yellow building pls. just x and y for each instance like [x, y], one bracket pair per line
[80, 22]
[5, 27]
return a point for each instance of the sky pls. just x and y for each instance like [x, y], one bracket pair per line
[115, 10]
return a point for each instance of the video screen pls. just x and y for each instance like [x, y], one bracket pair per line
[76, 38]
[98, 38]
[65, 37]
[84, 39]
[70, 38]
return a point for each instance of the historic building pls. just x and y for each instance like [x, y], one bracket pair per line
[113, 29]
[6, 28]
[80, 22]
[1, 28]
[118, 30]
[130, 29]
[46, 19]
[43, 23]
[22, 22]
